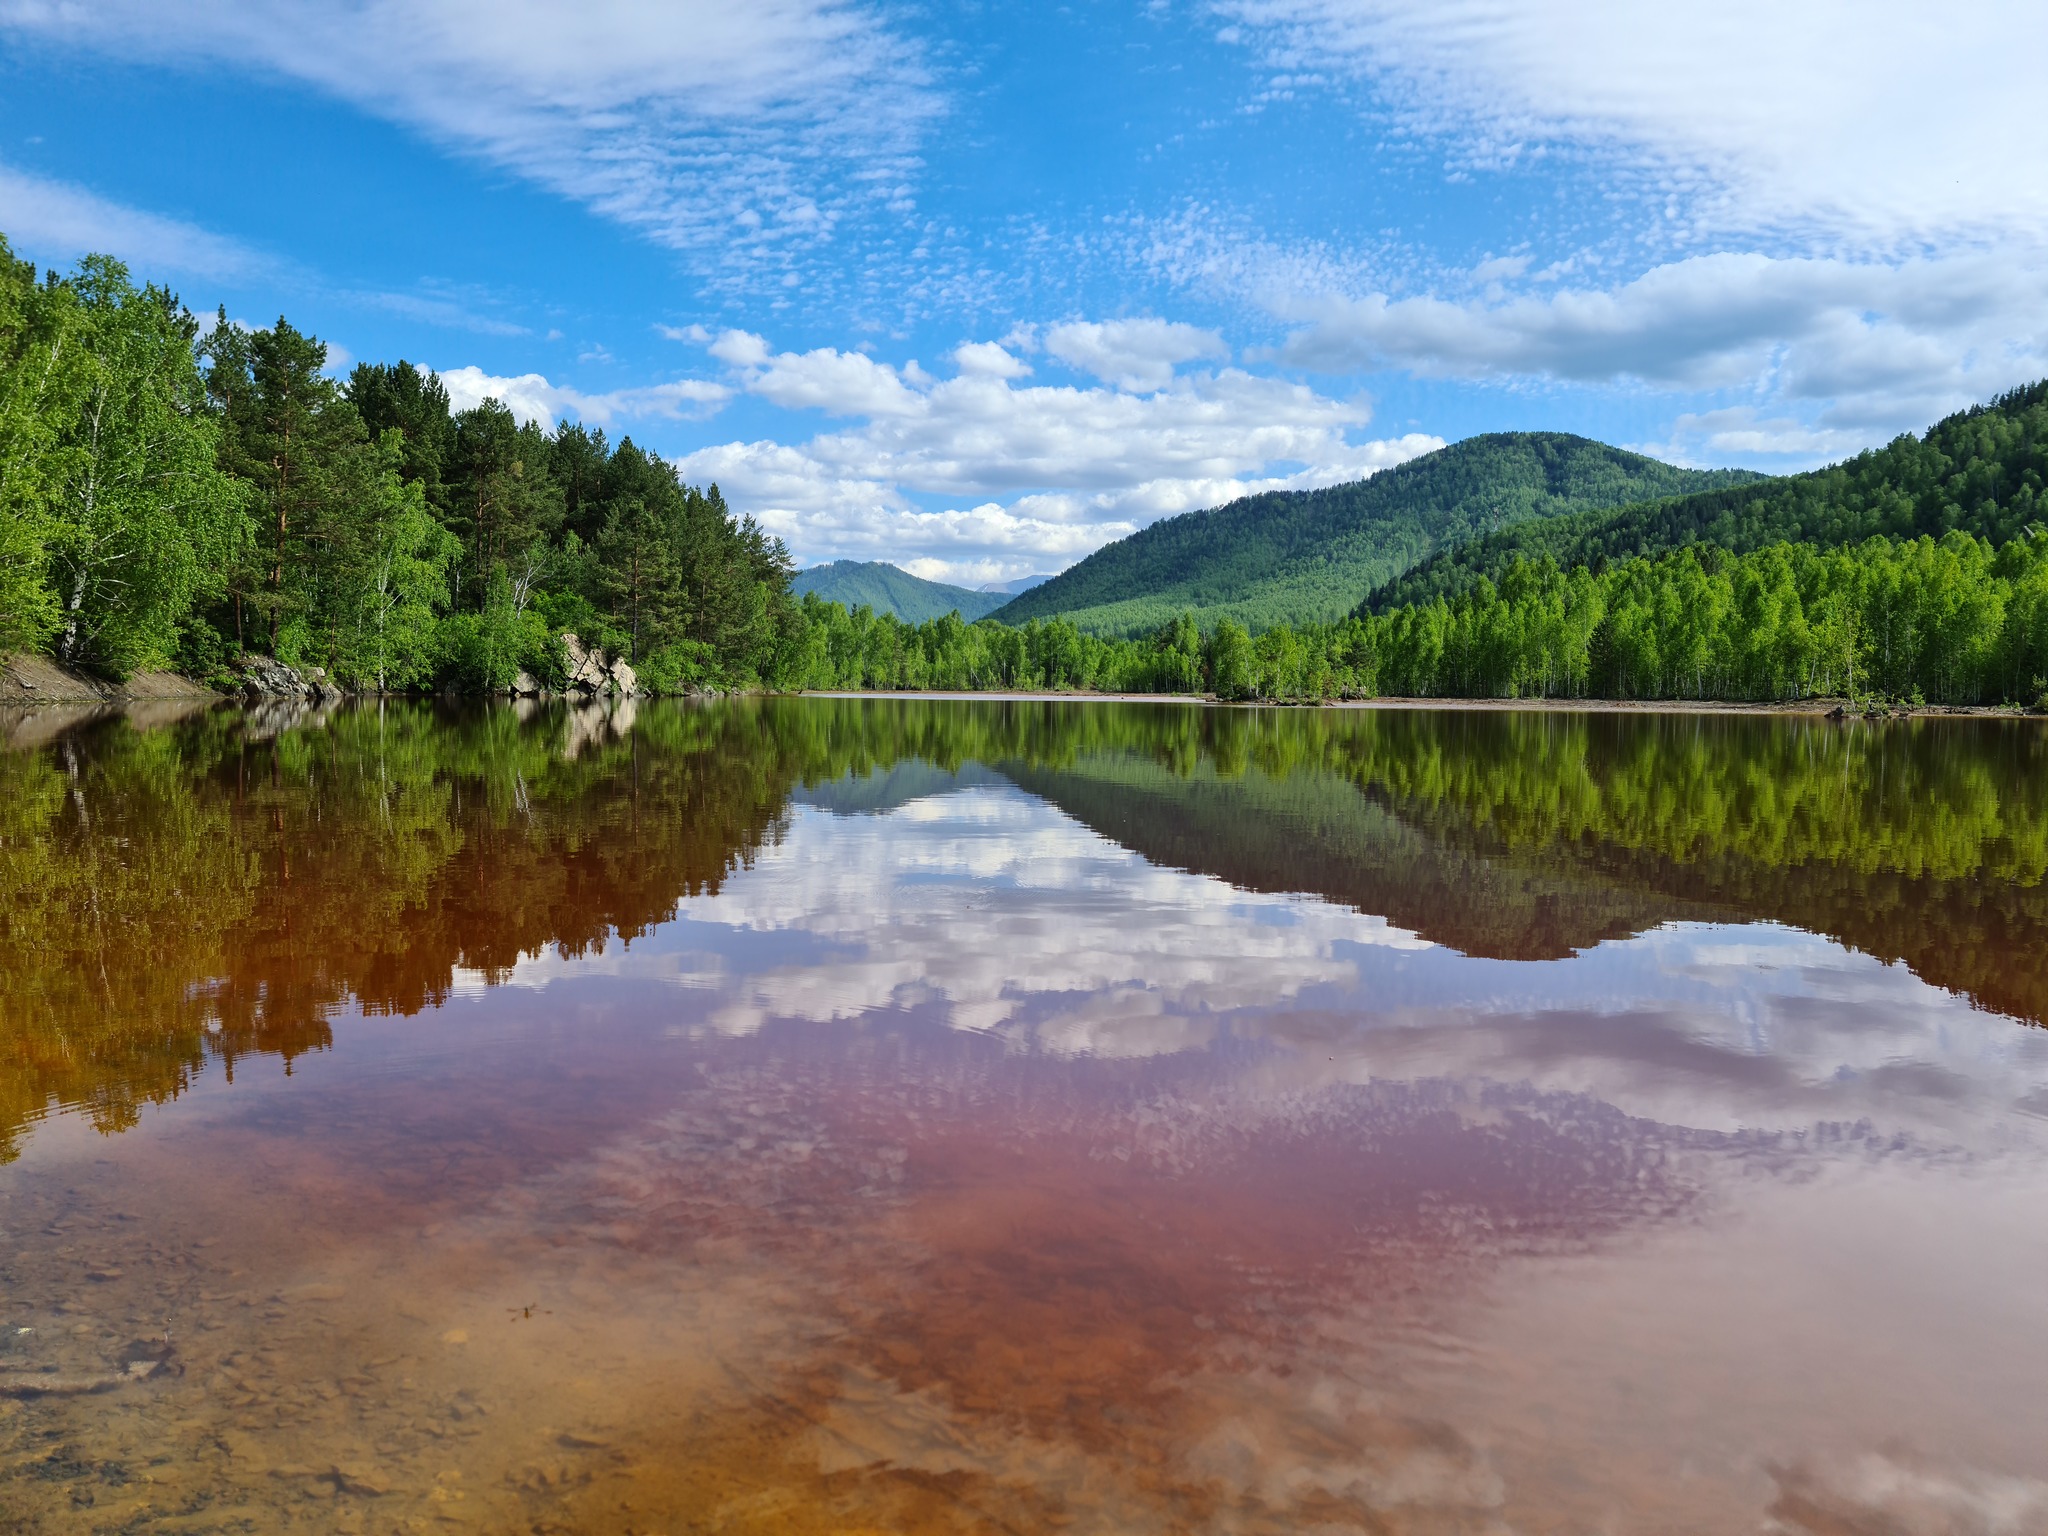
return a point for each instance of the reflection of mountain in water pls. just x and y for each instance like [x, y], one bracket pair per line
[1314, 832]
[1522, 837]
[204, 890]
[890, 789]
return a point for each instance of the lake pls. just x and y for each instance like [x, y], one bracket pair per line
[954, 1116]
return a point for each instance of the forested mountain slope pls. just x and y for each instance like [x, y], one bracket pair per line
[1302, 556]
[1981, 471]
[889, 589]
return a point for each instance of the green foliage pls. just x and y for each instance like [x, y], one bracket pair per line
[149, 510]
[40, 384]
[1980, 472]
[886, 589]
[116, 516]
[1945, 620]
[1296, 557]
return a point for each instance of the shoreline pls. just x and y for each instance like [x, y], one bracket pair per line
[30, 683]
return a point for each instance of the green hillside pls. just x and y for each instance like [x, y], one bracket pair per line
[886, 589]
[1980, 471]
[1301, 556]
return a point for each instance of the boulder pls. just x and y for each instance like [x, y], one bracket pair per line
[525, 685]
[624, 678]
[588, 671]
[262, 678]
[319, 689]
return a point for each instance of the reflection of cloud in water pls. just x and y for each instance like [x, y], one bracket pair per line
[1877, 1495]
[991, 902]
[1007, 916]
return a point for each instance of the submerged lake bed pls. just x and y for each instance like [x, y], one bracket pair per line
[880, 1114]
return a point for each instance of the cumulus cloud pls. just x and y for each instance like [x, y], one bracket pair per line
[1882, 346]
[1873, 121]
[703, 125]
[530, 397]
[60, 222]
[1132, 354]
[1083, 465]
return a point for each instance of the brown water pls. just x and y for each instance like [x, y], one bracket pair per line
[880, 1116]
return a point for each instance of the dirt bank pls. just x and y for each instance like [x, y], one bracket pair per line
[26, 679]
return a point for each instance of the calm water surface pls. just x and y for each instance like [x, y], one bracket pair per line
[822, 1115]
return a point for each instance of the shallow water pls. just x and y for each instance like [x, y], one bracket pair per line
[838, 1115]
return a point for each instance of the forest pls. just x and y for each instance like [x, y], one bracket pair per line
[173, 495]
[177, 495]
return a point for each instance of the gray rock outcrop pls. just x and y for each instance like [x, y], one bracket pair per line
[592, 672]
[261, 679]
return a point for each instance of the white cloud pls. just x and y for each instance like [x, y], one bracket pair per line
[60, 222]
[1746, 433]
[886, 899]
[989, 357]
[1084, 465]
[1132, 354]
[1883, 346]
[530, 397]
[1867, 120]
[706, 125]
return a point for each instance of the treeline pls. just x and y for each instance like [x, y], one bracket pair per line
[1949, 620]
[177, 496]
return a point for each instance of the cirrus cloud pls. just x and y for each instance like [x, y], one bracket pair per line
[1865, 120]
[745, 132]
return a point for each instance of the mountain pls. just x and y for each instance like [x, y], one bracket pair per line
[1302, 556]
[1982, 470]
[887, 589]
[1017, 584]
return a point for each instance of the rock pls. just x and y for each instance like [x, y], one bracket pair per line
[588, 670]
[360, 1480]
[624, 678]
[319, 688]
[525, 685]
[263, 678]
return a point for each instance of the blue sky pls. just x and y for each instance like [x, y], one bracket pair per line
[976, 288]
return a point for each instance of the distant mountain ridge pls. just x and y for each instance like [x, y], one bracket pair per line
[1016, 584]
[1983, 470]
[1299, 557]
[890, 589]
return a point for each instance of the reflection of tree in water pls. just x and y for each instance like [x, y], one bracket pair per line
[175, 895]
[207, 890]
